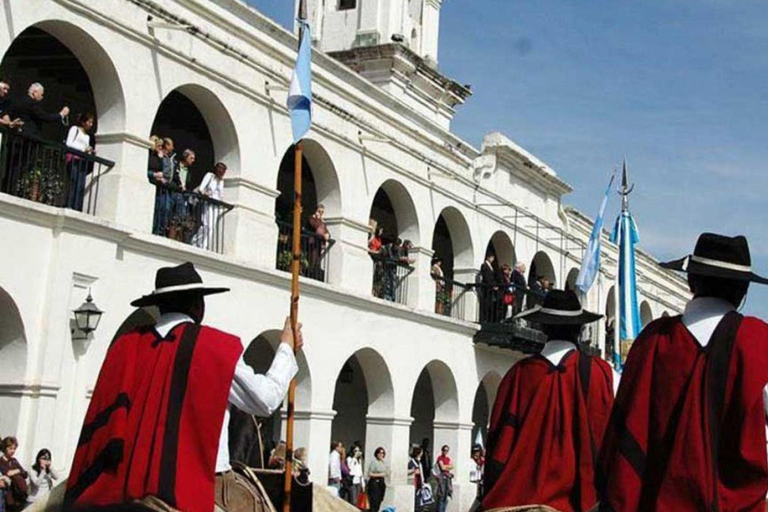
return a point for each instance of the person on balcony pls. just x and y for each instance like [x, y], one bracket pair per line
[549, 417]
[507, 302]
[317, 242]
[157, 177]
[29, 111]
[158, 421]
[180, 200]
[377, 253]
[688, 428]
[212, 187]
[489, 289]
[518, 281]
[182, 175]
[439, 277]
[77, 167]
[5, 106]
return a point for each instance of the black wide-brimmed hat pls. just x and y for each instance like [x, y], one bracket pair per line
[718, 256]
[176, 281]
[560, 307]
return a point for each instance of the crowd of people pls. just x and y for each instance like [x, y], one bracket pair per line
[22, 158]
[504, 292]
[387, 257]
[432, 479]
[20, 487]
[181, 212]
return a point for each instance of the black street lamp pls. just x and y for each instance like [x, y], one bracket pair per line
[87, 316]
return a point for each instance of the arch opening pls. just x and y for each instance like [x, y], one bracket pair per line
[434, 403]
[13, 361]
[646, 315]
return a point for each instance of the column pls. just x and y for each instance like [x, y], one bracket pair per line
[469, 302]
[431, 29]
[397, 432]
[349, 265]
[421, 286]
[312, 430]
[250, 231]
[125, 195]
[368, 28]
[458, 436]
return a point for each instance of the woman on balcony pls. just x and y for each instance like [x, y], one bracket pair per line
[78, 138]
[317, 243]
[211, 187]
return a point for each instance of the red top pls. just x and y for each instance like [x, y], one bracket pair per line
[374, 244]
[661, 451]
[545, 431]
[445, 461]
[154, 421]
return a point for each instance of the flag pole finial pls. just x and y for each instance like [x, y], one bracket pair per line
[625, 189]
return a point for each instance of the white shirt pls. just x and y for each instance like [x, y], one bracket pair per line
[250, 392]
[76, 139]
[40, 485]
[334, 466]
[556, 350]
[355, 470]
[701, 317]
[212, 186]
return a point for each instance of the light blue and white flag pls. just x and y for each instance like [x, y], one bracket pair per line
[590, 265]
[300, 93]
[625, 235]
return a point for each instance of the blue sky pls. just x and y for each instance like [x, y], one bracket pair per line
[679, 87]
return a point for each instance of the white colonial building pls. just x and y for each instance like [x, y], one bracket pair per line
[213, 75]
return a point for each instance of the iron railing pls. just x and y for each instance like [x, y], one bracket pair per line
[189, 217]
[49, 172]
[314, 252]
[390, 278]
[450, 298]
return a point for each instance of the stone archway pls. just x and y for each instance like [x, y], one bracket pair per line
[500, 245]
[77, 69]
[13, 362]
[541, 266]
[243, 438]
[394, 210]
[485, 396]
[570, 281]
[646, 315]
[435, 407]
[194, 118]
[364, 402]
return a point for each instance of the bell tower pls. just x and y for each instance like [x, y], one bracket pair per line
[340, 25]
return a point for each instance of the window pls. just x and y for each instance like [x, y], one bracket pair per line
[345, 5]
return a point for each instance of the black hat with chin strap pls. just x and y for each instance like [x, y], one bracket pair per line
[175, 282]
[719, 256]
[560, 307]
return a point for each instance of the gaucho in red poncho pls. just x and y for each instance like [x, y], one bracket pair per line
[153, 424]
[688, 427]
[550, 414]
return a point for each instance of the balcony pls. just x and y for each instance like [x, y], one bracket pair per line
[390, 278]
[189, 217]
[49, 172]
[314, 252]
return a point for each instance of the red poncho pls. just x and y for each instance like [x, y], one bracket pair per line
[154, 421]
[546, 428]
[688, 427]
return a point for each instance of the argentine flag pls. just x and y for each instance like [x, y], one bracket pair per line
[590, 265]
[300, 93]
[625, 235]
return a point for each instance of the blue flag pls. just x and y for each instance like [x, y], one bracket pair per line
[625, 235]
[590, 265]
[300, 93]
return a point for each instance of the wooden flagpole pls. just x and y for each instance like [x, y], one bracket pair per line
[295, 268]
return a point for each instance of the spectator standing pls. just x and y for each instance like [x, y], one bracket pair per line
[157, 177]
[426, 457]
[355, 466]
[29, 111]
[377, 474]
[476, 471]
[16, 492]
[317, 242]
[376, 250]
[300, 468]
[41, 477]
[212, 187]
[77, 168]
[5, 106]
[182, 175]
[445, 479]
[5, 485]
[334, 466]
[507, 302]
[439, 277]
[392, 255]
[489, 288]
[520, 286]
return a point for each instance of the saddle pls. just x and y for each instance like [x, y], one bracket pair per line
[240, 490]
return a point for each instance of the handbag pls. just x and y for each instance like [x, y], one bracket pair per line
[424, 496]
[362, 501]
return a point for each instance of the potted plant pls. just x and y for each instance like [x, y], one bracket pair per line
[51, 186]
[30, 185]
